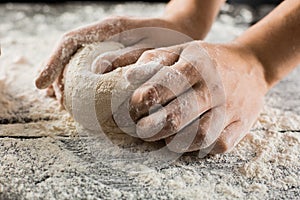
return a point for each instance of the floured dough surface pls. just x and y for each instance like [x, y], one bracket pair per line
[92, 98]
[88, 95]
[95, 100]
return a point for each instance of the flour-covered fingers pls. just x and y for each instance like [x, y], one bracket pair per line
[176, 115]
[120, 58]
[165, 56]
[75, 39]
[55, 64]
[58, 87]
[165, 85]
[229, 137]
[200, 134]
[50, 91]
[149, 64]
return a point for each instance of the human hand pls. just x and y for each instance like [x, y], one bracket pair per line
[206, 98]
[125, 30]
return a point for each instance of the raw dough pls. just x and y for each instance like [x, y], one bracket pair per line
[92, 98]
[87, 96]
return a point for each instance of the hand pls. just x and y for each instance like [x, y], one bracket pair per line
[115, 28]
[205, 98]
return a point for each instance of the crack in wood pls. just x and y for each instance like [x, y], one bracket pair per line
[24, 137]
[280, 131]
[285, 131]
[59, 137]
[43, 179]
[22, 120]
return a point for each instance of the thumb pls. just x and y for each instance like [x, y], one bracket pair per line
[109, 61]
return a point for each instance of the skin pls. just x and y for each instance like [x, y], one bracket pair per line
[222, 87]
[100, 31]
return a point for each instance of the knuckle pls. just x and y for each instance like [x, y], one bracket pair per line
[150, 95]
[186, 64]
[142, 100]
[67, 36]
[173, 121]
[189, 67]
[111, 18]
[149, 53]
[116, 18]
[221, 146]
[70, 39]
[200, 136]
[116, 21]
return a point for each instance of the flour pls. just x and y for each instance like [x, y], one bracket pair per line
[259, 157]
[264, 165]
[7, 106]
[92, 99]
[81, 87]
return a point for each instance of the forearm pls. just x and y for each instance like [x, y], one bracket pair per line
[275, 41]
[195, 16]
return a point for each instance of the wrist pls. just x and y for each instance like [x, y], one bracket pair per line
[193, 16]
[250, 56]
[193, 28]
[271, 75]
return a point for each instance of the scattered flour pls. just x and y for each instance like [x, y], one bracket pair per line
[7, 106]
[265, 165]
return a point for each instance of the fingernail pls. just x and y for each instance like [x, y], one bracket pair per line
[101, 66]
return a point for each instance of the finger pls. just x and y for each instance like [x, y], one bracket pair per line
[148, 65]
[140, 74]
[50, 91]
[58, 88]
[176, 115]
[55, 64]
[200, 134]
[164, 86]
[71, 42]
[120, 58]
[229, 137]
[136, 75]
[165, 56]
